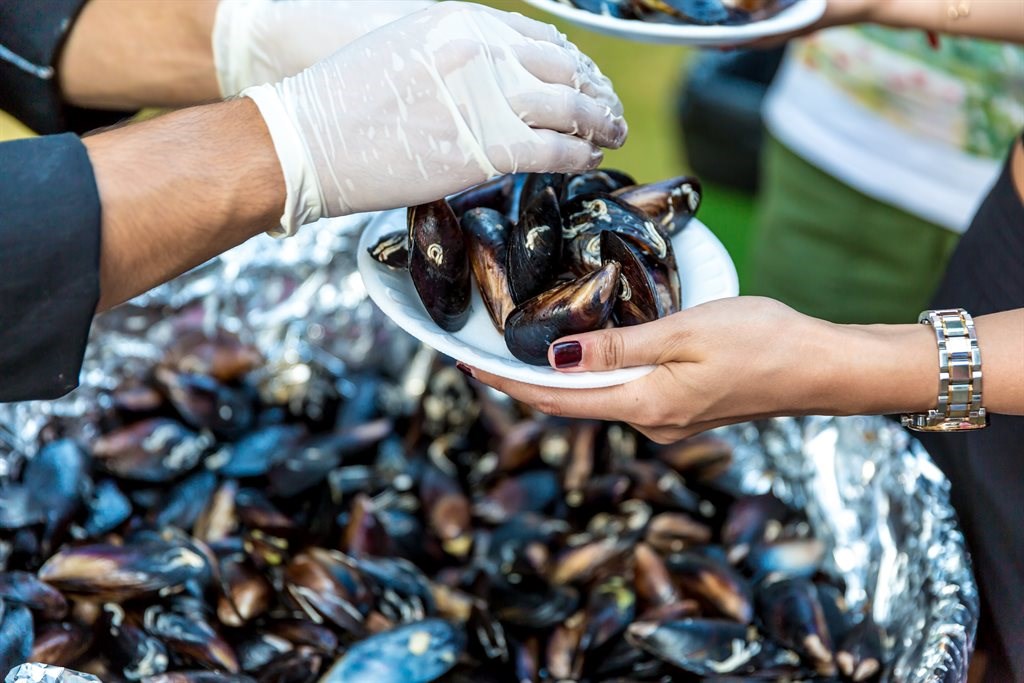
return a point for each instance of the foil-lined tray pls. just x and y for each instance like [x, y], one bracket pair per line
[871, 492]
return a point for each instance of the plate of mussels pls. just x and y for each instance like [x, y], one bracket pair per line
[688, 22]
[493, 275]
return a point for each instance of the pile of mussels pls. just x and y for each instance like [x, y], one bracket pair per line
[702, 12]
[423, 529]
[553, 254]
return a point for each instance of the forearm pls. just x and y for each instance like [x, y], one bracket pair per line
[123, 54]
[885, 369]
[177, 190]
[992, 19]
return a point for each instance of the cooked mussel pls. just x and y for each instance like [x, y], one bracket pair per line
[415, 653]
[638, 300]
[587, 216]
[793, 616]
[487, 232]
[707, 647]
[598, 180]
[439, 264]
[579, 306]
[534, 185]
[671, 203]
[535, 247]
[392, 250]
[497, 193]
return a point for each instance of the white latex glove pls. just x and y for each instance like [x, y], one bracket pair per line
[431, 104]
[262, 41]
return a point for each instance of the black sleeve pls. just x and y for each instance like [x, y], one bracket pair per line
[32, 34]
[49, 264]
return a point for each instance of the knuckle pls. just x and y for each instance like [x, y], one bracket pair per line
[611, 348]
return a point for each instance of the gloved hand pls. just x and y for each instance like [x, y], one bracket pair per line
[431, 104]
[262, 41]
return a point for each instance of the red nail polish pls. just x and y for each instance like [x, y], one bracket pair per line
[568, 354]
[464, 369]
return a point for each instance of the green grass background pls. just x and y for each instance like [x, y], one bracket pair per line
[647, 78]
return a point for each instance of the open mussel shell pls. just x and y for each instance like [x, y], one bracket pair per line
[707, 647]
[487, 232]
[587, 216]
[638, 300]
[599, 180]
[582, 305]
[671, 203]
[535, 247]
[392, 250]
[439, 264]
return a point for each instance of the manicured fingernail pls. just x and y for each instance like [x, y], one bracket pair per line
[464, 369]
[568, 354]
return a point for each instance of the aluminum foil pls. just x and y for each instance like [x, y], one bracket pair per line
[870, 491]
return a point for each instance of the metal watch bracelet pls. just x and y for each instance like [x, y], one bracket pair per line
[959, 402]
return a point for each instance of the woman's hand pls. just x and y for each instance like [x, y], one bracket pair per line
[837, 13]
[734, 360]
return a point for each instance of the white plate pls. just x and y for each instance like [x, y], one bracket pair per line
[705, 269]
[797, 16]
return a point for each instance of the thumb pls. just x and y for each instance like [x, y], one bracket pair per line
[618, 347]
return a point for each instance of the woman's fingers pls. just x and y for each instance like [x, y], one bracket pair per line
[621, 347]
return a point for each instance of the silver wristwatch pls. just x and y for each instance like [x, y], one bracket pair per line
[959, 404]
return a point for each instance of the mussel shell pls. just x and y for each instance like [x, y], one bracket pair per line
[497, 193]
[534, 185]
[599, 180]
[439, 264]
[392, 250]
[574, 307]
[108, 508]
[638, 300]
[61, 643]
[703, 12]
[415, 653]
[715, 584]
[15, 634]
[587, 216]
[706, 647]
[620, 9]
[18, 587]
[671, 203]
[792, 615]
[487, 232]
[535, 247]
[155, 450]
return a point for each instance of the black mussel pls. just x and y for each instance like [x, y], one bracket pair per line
[245, 592]
[439, 264]
[638, 300]
[699, 457]
[118, 573]
[671, 203]
[496, 194]
[363, 533]
[191, 637]
[716, 585]
[448, 511]
[535, 247]
[415, 653]
[18, 587]
[704, 12]
[653, 583]
[392, 250]
[302, 632]
[258, 651]
[599, 180]
[861, 653]
[15, 635]
[61, 643]
[134, 399]
[707, 647]
[323, 588]
[793, 616]
[564, 655]
[129, 647]
[256, 452]
[785, 558]
[673, 532]
[535, 606]
[582, 305]
[580, 464]
[57, 476]
[531, 491]
[751, 520]
[611, 607]
[218, 520]
[587, 216]
[184, 503]
[620, 9]
[536, 184]
[155, 450]
[581, 563]
[198, 676]
[107, 507]
[659, 484]
[204, 402]
[402, 590]
[222, 355]
[487, 233]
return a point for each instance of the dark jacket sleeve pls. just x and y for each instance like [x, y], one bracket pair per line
[32, 34]
[49, 264]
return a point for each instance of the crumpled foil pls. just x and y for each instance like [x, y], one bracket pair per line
[869, 490]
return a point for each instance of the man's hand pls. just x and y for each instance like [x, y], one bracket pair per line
[431, 104]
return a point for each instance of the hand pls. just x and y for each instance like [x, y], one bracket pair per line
[739, 359]
[263, 41]
[431, 104]
[837, 13]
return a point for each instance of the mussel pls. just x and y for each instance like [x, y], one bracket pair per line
[579, 306]
[671, 203]
[638, 300]
[439, 264]
[535, 247]
[392, 250]
[587, 216]
[598, 180]
[707, 647]
[487, 233]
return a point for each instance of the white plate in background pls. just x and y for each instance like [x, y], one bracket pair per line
[800, 15]
[705, 269]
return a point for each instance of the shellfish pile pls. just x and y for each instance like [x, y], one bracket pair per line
[552, 254]
[701, 12]
[422, 529]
